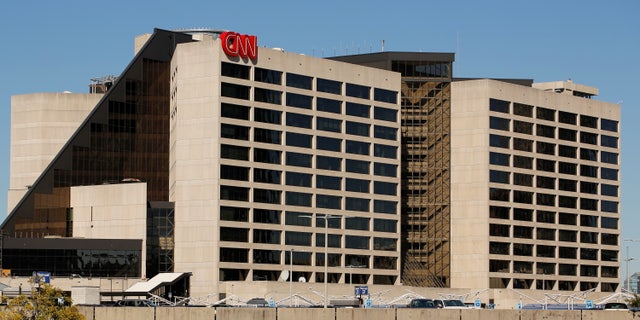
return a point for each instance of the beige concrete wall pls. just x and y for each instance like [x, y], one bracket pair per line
[41, 123]
[116, 211]
[194, 313]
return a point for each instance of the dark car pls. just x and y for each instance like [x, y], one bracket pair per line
[615, 306]
[135, 303]
[422, 303]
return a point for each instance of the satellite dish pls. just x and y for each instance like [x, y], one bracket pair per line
[302, 279]
[284, 275]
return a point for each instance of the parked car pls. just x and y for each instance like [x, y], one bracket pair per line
[449, 304]
[135, 303]
[615, 306]
[421, 303]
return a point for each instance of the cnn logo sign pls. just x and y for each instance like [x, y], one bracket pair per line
[239, 45]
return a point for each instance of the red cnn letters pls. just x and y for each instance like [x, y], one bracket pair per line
[242, 45]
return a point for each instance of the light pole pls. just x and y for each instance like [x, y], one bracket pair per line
[290, 277]
[628, 280]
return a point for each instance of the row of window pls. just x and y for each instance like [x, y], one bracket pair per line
[305, 180]
[526, 232]
[241, 255]
[552, 200]
[524, 162]
[552, 149]
[541, 113]
[306, 141]
[544, 216]
[549, 284]
[544, 251]
[305, 239]
[542, 130]
[304, 160]
[529, 180]
[563, 269]
[306, 121]
[306, 82]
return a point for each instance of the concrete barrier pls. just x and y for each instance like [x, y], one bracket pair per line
[180, 313]
[306, 314]
[551, 315]
[138, 313]
[421, 314]
[608, 315]
[481, 314]
[244, 314]
[368, 314]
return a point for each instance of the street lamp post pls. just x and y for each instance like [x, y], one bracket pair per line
[290, 277]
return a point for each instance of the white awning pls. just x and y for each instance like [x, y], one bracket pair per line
[157, 281]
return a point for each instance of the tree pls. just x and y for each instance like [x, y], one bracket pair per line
[634, 302]
[46, 302]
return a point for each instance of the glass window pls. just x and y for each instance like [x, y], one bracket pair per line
[545, 182]
[499, 247]
[358, 110]
[385, 225]
[293, 218]
[234, 132]
[545, 114]
[588, 121]
[386, 244]
[299, 100]
[328, 86]
[234, 214]
[545, 131]
[298, 199]
[520, 214]
[234, 152]
[609, 239]
[609, 190]
[384, 169]
[298, 179]
[234, 193]
[356, 242]
[234, 173]
[382, 206]
[266, 196]
[588, 221]
[357, 166]
[385, 114]
[357, 185]
[267, 136]
[588, 154]
[609, 125]
[328, 202]
[266, 156]
[588, 137]
[567, 202]
[499, 105]
[266, 176]
[588, 204]
[499, 123]
[588, 237]
[357, 204]
[567, 168]
[297, 238]
[545, 148]
[299, 120]
[567, 117]
[567, 134]
[357, 223]
[500, 159]
[588, 187]
[327, 124]
[384, 151]
[609, 157]
[383, 95]
[387, 188]
[498, 230]
[267, 96]
[609, 223]
[568, 235]
[328, 182]
[567, 218]
[357, 128]
[497, 194]
[567, 185]
[299, 81]
[234, 111]
[329, 144]
[298, 140]
[299, 159]
[234, 70]
[357, 147]
[499, 141]
[267, 116]
[609, 206]
[266, 216]
[608, 141]
[234, 255]
[588, 171]
[267, 76]
[546, 165]
[499, 212]
[328, 105]
[567, 151]
[522, 232]
[328, 163]
[524, 110]
[545, 251]
[522, 179]
[544, 199]
[523, 162]
[499, 176]
[266, 256]
[234, 91]
[522, 197]
[522, 127]
[358, 91]
[545, 216]
[383, 132]
[609, 174]
[522, 144]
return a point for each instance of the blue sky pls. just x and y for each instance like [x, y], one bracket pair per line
[53, 46]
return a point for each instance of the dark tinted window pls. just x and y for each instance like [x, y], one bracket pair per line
[609, 125]
[588, 121]
[329, 86]
[524, 110]
[358, 110]
[328, 182]
[266, 156]
[499, 105]
[299, 159]
[545, 114]
[299, 100]
[384, 151]
[267, 76]
[327, 124]
[357, 166]
[298, 179]
[268, 96]
[499, 159]
[299, 120]
[358, 128]
[267, 136]
[328, 105]
[358, 91]
[499, 123]
[235, 70]
[299, 81]
[267, 116]
[234, 132]
[386, 114]
[357, 147]
[234, 91]
[234, 111]
[383, 95]
[329, 144]
[234, 152]
[384, 169]
[298, 140]
[328, 163]
[266, 176]
[567, 117]
[383, 132]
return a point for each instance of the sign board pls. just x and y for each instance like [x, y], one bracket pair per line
[42, 276]
[477, 303]
[368, 303]
[239, 45]
[589, 304]
[519, 306]
[361, 290]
